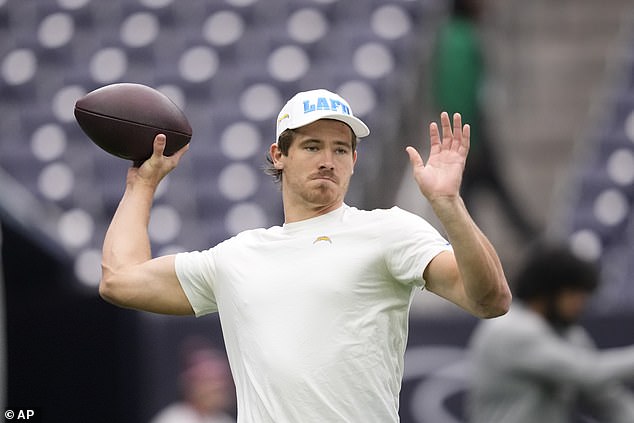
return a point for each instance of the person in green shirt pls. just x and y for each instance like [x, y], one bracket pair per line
[458, 73]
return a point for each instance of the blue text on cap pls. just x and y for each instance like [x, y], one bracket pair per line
[324, 104]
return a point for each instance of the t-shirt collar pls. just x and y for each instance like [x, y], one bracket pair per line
[315, 222]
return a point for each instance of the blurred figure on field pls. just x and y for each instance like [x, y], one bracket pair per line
[537, 363]
[458, 76]
[206, 387]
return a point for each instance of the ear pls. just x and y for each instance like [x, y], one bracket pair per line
[276, 155]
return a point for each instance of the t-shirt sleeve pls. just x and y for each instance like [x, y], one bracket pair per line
[411, 243]
[195, 271]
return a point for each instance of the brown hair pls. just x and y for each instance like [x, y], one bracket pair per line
[284, 143]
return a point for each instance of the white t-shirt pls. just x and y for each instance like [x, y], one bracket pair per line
[315, 313]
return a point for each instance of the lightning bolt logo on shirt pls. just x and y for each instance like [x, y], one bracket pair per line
[322, 238]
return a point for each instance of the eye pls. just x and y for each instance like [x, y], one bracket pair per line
[311, 147]
[341, 150]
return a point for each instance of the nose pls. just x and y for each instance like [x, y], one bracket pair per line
[326, 160]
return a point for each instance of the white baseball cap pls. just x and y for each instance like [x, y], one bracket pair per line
[309, 106]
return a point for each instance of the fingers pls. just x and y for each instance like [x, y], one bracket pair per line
[414, 158]
[434, 134]
[158, 148]
[177, 156]
[445, 123]
[454, 133]
[159, 145]
[466, 135]
[158, 159]
[457, 130]
[160, 141]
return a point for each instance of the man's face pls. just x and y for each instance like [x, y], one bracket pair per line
[319, 165]
[569, 305]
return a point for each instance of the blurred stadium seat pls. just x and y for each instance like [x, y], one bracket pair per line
[600, 218]
[226, 63]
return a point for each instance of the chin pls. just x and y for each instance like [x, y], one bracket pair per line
[323, 199]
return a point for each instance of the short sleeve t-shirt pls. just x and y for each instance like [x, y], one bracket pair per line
[315, 313]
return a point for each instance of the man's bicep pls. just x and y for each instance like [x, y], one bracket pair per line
[169, 294]
[150, 286]
[442, 277]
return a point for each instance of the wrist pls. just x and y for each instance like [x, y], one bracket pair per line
[136, 181]
[447, 204]
[452, 213]
[141, 189]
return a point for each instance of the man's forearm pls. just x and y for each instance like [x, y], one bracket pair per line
[127, 240]
[480, 267]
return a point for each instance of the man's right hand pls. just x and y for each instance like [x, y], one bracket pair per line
[154, 169]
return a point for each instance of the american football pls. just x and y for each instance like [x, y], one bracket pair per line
[124, 118]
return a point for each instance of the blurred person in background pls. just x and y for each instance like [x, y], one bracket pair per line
[206, 385]
[458, 77]
[537, 363]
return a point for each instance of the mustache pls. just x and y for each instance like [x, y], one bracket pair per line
[325, 173]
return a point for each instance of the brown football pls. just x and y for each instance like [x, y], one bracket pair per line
[124, 118]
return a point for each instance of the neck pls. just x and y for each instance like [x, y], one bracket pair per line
[295, 214]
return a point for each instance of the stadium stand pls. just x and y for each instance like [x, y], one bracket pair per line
[230, 65]
[599, 220]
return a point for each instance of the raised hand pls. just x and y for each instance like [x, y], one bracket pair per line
[154, 169]
[441, 176]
